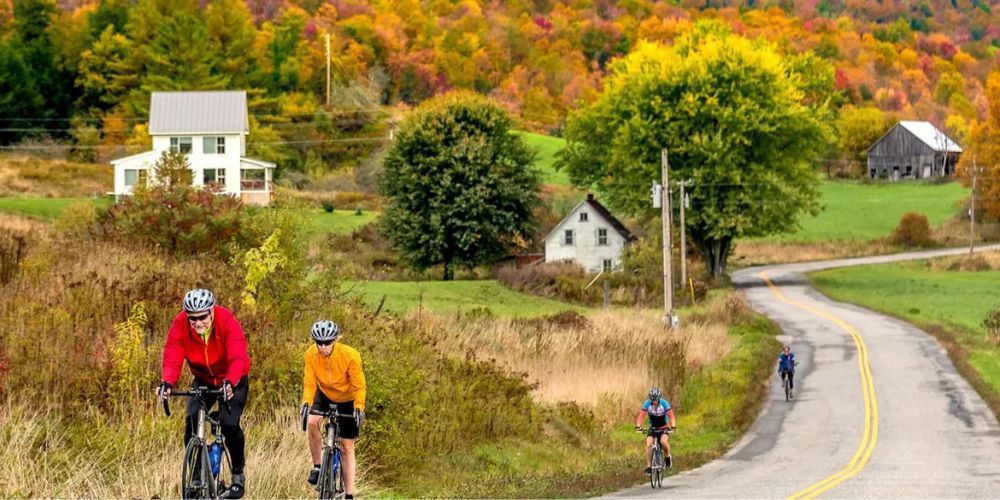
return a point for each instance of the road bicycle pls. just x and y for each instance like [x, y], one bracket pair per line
[786, 382]
[208, 470]
[331, 482]
[659, 465]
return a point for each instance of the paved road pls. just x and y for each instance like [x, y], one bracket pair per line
[905, 425]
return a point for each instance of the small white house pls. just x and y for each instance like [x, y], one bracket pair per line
[589, 236]
[211, 127]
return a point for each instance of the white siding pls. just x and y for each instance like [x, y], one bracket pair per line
[585, 250]
[199, 161]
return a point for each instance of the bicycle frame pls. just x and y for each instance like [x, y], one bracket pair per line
[331, 468]
[216, 487]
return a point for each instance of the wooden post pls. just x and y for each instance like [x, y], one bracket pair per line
[972, 210]
[684, 274]
[668, 283]
[607, 295]
[327, 70]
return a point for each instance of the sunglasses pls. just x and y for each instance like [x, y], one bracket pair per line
[324, 344]
[195, 319]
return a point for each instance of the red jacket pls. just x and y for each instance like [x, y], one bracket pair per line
[224, 357]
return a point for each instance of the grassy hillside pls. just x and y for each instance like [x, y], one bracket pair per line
[856, 211]
[547, 147]
[951, 303]
[338, 221]
[457, 296]
[45, 208]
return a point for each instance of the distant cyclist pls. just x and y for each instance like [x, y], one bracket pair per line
[333, 379]
[786, 368]
[211, 340]
[659, 412]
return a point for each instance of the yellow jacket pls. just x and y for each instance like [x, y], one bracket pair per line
[338, 375]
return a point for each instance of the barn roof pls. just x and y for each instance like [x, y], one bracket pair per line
[201, 112]
[931, 136]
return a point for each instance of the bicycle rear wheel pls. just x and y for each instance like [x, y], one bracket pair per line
[196, 474]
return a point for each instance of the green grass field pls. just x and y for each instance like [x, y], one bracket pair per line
[44, 208]
[338, 221]
[957, 301]
[547, 147]
[455, 296]
[855, 211]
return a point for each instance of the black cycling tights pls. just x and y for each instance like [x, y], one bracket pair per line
[791, 378]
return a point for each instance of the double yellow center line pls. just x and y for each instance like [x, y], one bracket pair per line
[867, 445]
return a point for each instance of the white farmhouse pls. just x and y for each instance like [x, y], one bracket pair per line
[211, 127]
[589, 236]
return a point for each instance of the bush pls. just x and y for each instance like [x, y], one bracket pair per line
[971, 263]
[358, 211]
[913, 230]
[992, 325]
[328, 206]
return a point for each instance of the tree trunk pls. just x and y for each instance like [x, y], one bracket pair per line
[715, 253]
[449, 274]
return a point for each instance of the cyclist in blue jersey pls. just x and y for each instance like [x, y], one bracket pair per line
[786, 368]
[661, 420]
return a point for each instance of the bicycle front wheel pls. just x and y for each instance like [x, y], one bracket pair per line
[196, 474]
[788, 388]
[326, 474]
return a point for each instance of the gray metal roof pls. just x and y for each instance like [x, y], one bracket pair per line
[200, 112]
[931, 136]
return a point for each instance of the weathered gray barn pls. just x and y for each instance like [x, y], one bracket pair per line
[913, 150]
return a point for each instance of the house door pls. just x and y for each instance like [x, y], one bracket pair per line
[926, 171]
[895, 173]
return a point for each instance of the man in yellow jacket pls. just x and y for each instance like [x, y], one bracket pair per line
[335, 369]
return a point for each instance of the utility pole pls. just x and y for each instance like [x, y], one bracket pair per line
[668, 283]
[972, 210]
[327, 70]
[684, 274]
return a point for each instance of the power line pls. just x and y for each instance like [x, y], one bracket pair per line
[146, 118]
[43, 147]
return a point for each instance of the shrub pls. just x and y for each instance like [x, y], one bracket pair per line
[328, 206]
[971, 263]
[913, 230]
[358, 211]
[992, 325]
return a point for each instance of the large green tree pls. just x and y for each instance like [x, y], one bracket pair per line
[460, 184]
[735, 121]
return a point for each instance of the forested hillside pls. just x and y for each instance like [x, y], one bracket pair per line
[81, 71]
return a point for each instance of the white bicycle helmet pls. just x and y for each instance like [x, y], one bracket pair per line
[654, 393]
[199, 300]
[325, 331]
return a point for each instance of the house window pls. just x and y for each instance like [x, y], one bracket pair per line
[214, 145]
[568, 237]
[132, 177]
[215, 176]
[602, 237]
[180, 145]
[583, 216]
[606, 266]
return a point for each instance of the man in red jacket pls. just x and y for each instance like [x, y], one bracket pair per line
[210, 338]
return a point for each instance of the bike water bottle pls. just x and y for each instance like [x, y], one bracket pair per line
[215, 457]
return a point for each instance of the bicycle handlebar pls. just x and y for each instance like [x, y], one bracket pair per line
[667, 430]
[325, 414]
[196, 392]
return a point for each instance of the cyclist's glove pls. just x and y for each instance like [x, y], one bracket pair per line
[359, 417]
[638, 429]
[227, 390]
[164, 389]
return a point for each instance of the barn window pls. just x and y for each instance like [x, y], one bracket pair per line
[606, 265]
[602, 237]
[568, 237]
[583, 216]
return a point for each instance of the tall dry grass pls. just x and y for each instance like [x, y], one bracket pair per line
[138, 455]
[599, 360]
[54, 178]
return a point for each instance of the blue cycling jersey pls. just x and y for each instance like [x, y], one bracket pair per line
[786, 362]
[657, 415]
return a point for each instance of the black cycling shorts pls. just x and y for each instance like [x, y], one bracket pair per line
[656, 432]
[348, 426]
